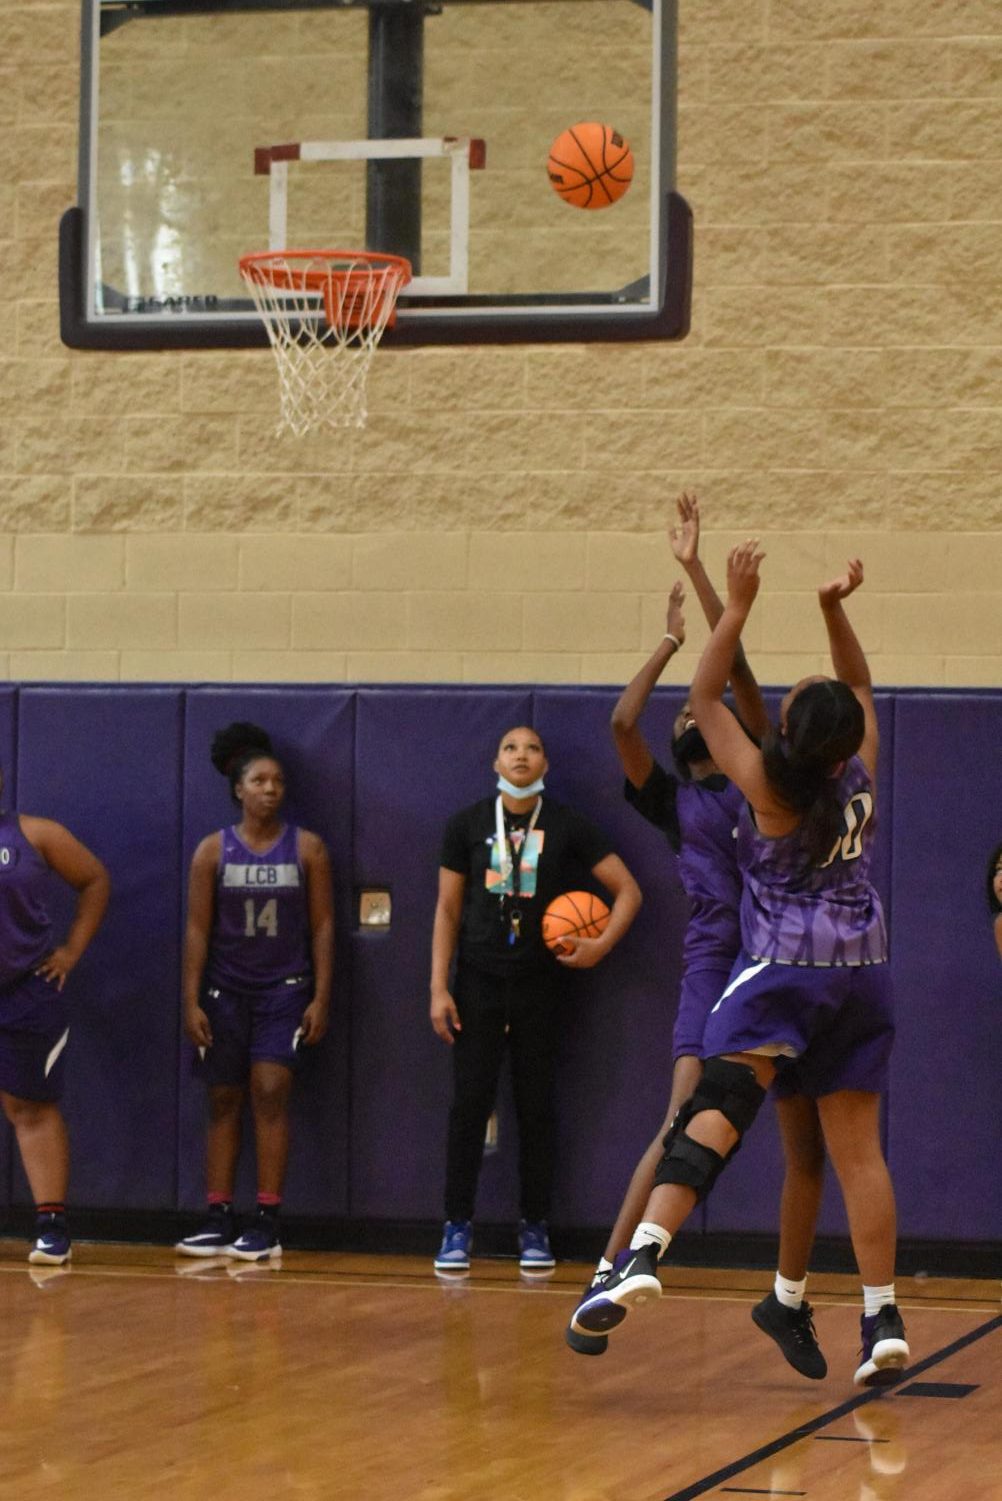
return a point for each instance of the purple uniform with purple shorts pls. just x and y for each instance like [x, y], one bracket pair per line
[33, 1014]
[259, 975]
[700, 820]
[812, 982]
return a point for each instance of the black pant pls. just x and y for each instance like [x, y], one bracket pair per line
[519, 1015]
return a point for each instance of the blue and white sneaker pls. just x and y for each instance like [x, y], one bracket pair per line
[534, 1254]
[457, 1243]
[632, 1281]
[258, 1242]
[213, 1237]
[52, 1241]
[885, 1350]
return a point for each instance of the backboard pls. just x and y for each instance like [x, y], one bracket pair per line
[211, 129]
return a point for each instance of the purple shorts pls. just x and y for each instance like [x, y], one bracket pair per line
[34, 1029]
[252, 1027]
[701, 990]
[836, 1023]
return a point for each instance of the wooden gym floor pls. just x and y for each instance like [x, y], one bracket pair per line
[137, 1374]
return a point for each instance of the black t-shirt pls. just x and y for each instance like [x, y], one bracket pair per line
[564, 849]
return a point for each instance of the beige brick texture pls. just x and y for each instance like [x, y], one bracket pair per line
[502, 517]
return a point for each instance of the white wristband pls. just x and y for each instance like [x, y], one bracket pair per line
[674, 640]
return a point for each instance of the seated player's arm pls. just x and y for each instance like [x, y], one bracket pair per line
[998, 933]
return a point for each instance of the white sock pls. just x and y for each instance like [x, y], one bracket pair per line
[790, 1294]
[876, 1298]
[647, 1234]
[602, 1270]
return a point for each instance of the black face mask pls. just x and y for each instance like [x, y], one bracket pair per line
[688, 747]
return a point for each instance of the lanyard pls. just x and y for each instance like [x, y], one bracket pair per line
[510, 868]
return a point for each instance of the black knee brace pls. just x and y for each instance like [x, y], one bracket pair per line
[730, 1088]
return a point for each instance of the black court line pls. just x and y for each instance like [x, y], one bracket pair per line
[729, 1472]
[936, 1389]
[846, 1438]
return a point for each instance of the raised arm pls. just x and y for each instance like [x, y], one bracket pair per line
[630, 741]
[684, 539]
[849, 663]
[735, 755]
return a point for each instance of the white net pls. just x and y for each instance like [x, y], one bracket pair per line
[325, 312]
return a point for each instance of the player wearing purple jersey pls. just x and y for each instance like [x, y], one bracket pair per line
[34, 1014]
[817, 1005]
[258, 957]
[698, 810]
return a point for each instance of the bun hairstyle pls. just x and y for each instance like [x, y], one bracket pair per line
[824, 727]
[511, 730]
[995, 906]
[234, 748]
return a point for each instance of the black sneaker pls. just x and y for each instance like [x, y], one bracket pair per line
[579, 1342]
[632, 1281]
[794, 1332]
[885, 1350]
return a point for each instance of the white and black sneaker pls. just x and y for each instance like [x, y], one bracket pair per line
[632, 1282]
[885, 1350]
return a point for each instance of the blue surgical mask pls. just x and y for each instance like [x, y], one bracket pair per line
[531, 791]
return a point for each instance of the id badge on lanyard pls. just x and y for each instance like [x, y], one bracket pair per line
[510, 867]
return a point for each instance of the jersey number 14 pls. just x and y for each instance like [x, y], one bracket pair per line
[265, 918]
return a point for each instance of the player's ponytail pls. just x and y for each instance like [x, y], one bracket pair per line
[235, 747]
[824, 727]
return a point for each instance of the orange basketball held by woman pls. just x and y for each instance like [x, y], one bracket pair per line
[574, 914]
[590, 165]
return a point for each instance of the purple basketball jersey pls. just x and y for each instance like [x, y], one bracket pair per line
[25, 927]
[260, 933]
[708, 869]
[796, 913]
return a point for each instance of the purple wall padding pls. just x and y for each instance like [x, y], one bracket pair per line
[312, 731]
[105, 762]
[376, 772]
[945, 1123]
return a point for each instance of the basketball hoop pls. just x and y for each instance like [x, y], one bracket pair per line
[325, 311]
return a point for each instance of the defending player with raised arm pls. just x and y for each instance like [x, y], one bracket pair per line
[810, 993]
[697, 809]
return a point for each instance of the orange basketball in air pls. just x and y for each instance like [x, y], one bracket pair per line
[575, 914]
[590, 165]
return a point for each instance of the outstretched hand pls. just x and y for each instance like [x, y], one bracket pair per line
[675, 619]
[684, 537]
[840, 588]
[742, 573]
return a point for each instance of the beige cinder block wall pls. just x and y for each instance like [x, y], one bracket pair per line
[502, 517]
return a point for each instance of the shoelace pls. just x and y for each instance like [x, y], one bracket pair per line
[803, 1325]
